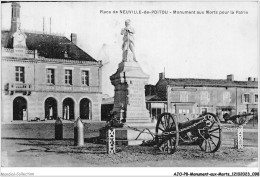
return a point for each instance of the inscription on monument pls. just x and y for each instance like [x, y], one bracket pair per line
[136, 99]
[136, 96]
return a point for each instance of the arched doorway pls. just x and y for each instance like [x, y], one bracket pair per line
[68, 109]
[85, 109]
[50, 107]
[19, 108]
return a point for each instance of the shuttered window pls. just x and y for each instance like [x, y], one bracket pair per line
[50, 74]
[19, 74]
[68, 76]
[85, 78]
[246, 98]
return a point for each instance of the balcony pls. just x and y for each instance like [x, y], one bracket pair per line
[68, 88]
[12, 88]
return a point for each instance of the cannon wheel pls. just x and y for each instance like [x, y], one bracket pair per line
[165, 124]
[211, 134]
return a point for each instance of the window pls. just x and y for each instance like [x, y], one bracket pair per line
[85, 77]
[156, 112]
[15, 13]
[226, 97]
[204, 97]
[50, 76]
[68, 76]
[256, 98]
[19, 74]
[18, 12]
[246, 98]
[184, 111]
[183, 96]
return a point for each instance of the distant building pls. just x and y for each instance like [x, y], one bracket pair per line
[46, 76]
[191, 97]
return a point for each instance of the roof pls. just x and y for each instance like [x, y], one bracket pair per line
[110, 100]
[154, 98]
[5, 35]
[49, 46]
[209, 82]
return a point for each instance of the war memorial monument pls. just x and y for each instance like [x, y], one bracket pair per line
[129, 99]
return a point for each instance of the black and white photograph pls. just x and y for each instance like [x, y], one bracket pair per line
[126, 88]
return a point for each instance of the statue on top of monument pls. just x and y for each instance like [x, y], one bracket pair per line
[128, 44]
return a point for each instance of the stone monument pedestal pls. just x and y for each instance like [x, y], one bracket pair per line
[129, 104]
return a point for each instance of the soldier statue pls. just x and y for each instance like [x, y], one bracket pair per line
[128, 44]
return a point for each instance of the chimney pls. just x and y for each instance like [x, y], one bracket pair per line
[15, 20]
[255, 79]
[73, 38]
[230, 77]
[250, 79]
[161, 76]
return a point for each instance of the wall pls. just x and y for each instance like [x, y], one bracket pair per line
[60, 74]
[8, 71]
[212, 98]
[35, 74]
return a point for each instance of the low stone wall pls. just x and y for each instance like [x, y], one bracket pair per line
[41, 130]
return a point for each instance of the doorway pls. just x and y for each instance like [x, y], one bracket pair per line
[68, 109]
[85, 109]
[19, 108]
[50, 108]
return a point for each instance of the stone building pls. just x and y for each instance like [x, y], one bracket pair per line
[191, 97]
[47, 76]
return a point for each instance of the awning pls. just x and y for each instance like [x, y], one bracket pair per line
[226, 107]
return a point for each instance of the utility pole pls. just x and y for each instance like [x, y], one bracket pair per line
[43, 25]
[50, 25]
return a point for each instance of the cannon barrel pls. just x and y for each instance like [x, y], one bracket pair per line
[189, 123]
[233, 118]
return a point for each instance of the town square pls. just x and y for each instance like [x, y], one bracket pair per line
[130, 84]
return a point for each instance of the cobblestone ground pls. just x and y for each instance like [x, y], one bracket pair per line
[63, 153]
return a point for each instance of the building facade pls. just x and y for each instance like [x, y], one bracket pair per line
[191, 97]
[47, 76]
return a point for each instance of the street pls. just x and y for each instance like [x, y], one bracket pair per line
[62, 153]
[41, 150]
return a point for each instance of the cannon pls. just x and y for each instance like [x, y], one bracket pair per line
[240, 118]
[204, 131]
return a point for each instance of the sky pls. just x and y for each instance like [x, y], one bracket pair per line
[210, 45]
